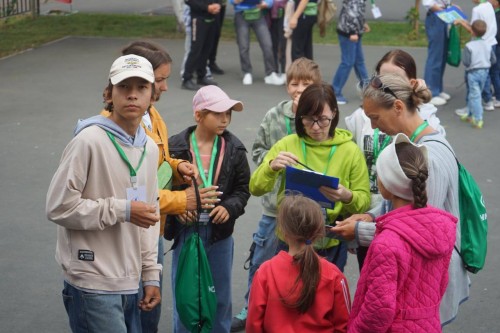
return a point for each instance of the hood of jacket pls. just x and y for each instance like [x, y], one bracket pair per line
[429, 231]
[139, 140]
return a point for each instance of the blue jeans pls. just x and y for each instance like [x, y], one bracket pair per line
[437, 36]
[337, 255]
[89, 312]
[151, 319]
[263, 247]
[263, 34]
[493, 78]
[351, 56]
[220, 257]
[495, 73]
[476, 79]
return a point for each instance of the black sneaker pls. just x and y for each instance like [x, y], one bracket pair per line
[206, 81]
[216, 69]
[239, 321]
[189, 85]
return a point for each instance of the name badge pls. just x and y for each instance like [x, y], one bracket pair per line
[204, 218]
[136, 193]
[325, 216]
[376, 12]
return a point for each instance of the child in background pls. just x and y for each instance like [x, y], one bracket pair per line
[482, 11]
[220, 159]
[351, 26]
[406, 270]
[477, 57]
[277, 123]
[299, 291]
[104, 198]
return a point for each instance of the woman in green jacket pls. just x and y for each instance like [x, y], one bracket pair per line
[326, 149]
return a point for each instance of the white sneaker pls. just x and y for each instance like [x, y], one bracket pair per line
[462, 112]
[496, 104]
[437, 101]
[274, 79]
[488, 106]
[445, 96]
[247, 79]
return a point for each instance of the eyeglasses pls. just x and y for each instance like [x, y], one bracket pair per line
[322, 121]
[376, 83]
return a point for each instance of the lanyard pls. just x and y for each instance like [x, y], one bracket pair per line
[133, 172]
[376, 148]
[206, 181]
[419, 130]
[288, 128]
[304, 152]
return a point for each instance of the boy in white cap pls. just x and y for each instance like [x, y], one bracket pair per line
[220, 159]
[103, 197]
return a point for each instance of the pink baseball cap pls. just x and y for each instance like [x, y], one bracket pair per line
[213, 98]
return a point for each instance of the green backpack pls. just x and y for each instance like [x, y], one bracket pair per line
[454, 49]
[473, 220]
[195, 297]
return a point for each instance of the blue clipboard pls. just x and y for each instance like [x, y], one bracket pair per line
[308, 183]
[450, 14]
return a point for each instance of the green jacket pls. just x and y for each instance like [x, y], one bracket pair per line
[272, 129]
[347, 164]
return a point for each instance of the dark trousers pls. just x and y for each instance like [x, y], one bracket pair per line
[202, 42]
[279, 43]
[302, 37]
[219, 22]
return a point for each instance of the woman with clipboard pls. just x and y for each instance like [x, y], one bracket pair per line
[326, 149]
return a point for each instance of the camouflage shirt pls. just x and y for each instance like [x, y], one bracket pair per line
[277, 123]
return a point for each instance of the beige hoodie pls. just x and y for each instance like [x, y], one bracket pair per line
[96, 247]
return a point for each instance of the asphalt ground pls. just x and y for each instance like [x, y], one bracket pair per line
[43, 92]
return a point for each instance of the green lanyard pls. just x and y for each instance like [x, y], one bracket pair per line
[304, 152]
[418, 130]
[376, 148]
[133, 172]
[206, 182]
[288, 128]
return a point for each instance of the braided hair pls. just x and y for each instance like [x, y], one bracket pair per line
[414, 165]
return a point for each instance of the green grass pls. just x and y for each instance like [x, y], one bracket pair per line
[21, 33]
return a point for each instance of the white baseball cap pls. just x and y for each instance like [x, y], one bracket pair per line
[131, 65]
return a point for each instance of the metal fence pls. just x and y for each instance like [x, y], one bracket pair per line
[18, 7]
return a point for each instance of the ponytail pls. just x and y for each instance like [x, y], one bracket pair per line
[301, 220]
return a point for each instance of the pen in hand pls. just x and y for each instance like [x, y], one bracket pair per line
[305, 166]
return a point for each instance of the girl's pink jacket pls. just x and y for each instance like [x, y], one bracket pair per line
[405, 273]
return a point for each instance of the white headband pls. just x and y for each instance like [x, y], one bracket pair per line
[390, 172]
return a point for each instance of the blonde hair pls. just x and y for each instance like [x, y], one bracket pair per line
[303, 69]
